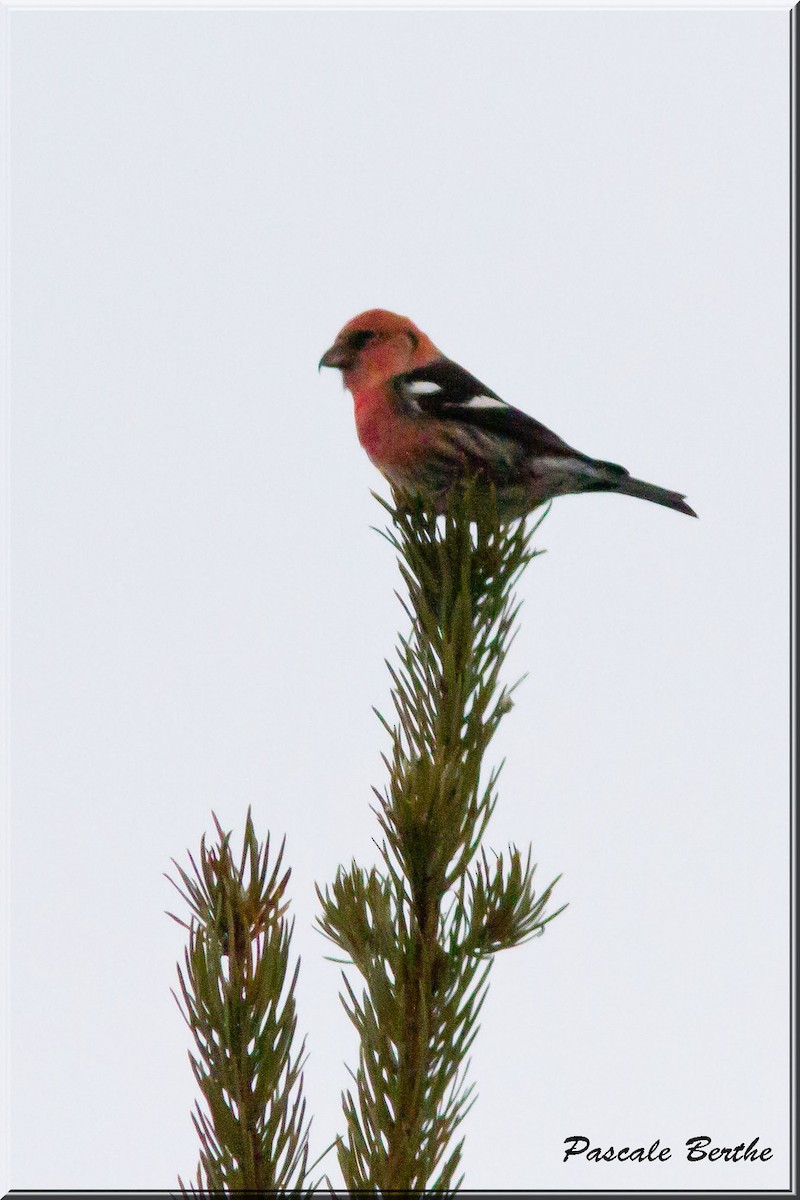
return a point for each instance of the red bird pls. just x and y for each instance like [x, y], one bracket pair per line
[426, 423]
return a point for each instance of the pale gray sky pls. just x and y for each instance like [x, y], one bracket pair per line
[589, 210]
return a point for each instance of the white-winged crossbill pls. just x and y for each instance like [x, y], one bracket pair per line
[426, 424]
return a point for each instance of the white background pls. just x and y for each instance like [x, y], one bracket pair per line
[590, 211]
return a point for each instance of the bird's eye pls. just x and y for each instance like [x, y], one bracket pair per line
[359, 339]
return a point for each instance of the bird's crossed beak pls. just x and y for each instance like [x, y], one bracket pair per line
[339, 355]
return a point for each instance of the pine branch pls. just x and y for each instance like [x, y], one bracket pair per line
[422, 933]
[238, 1000]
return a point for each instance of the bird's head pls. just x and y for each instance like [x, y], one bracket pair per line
[377, 345]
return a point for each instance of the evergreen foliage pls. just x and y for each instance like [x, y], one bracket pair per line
[422, 931]
[238, 1000]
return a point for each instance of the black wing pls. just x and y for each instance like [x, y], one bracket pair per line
[445, 390]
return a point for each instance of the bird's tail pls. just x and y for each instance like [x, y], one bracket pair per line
[649, 491]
